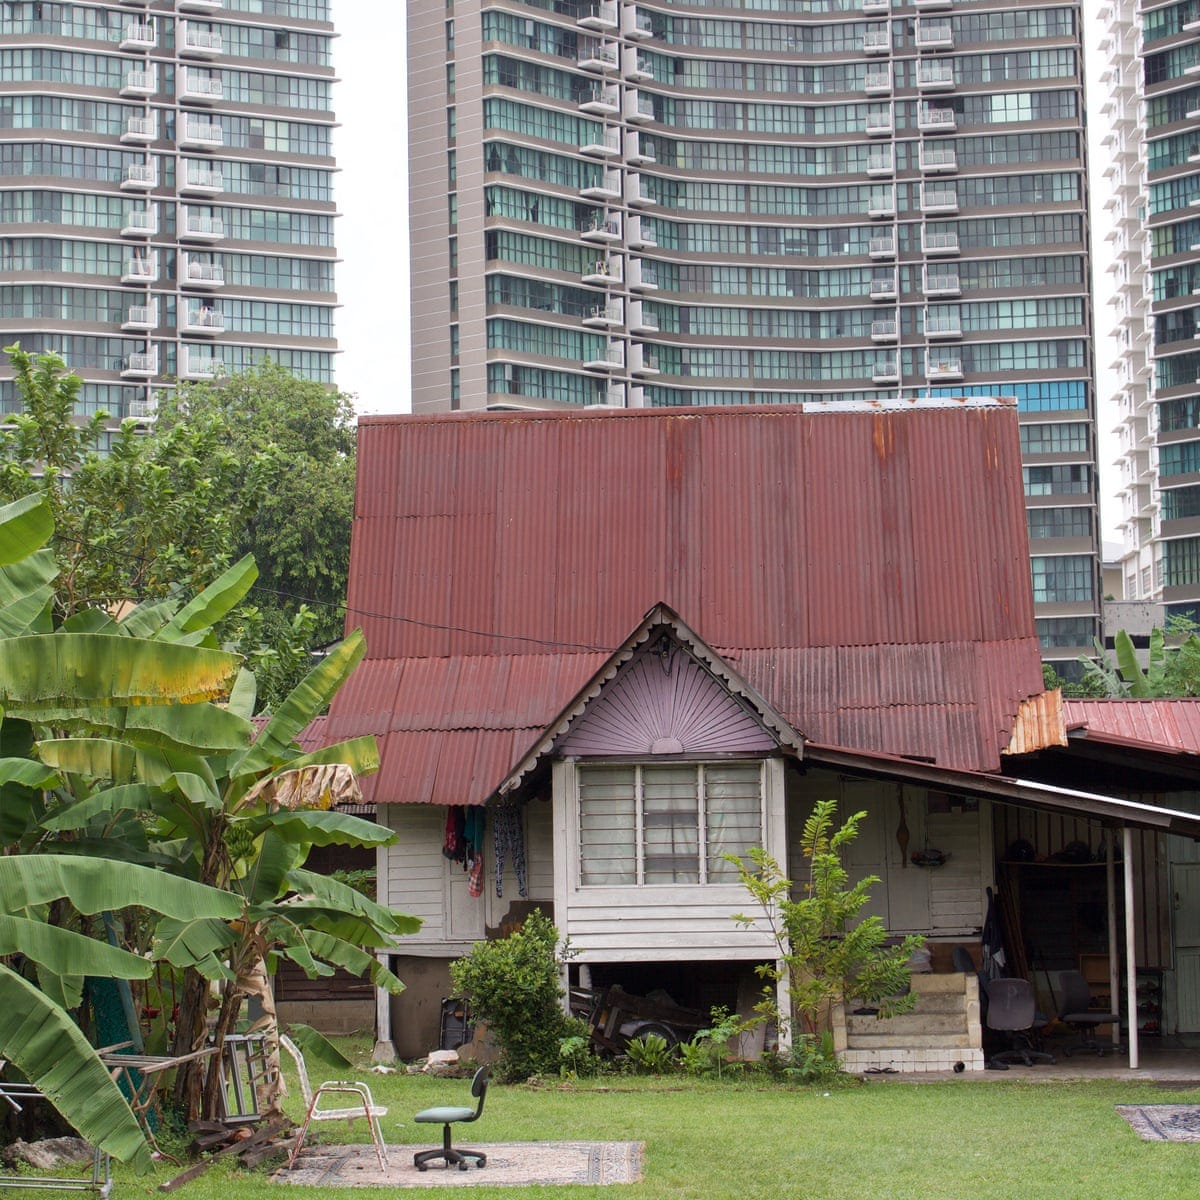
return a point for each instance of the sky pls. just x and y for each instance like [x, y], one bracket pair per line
[371, 188]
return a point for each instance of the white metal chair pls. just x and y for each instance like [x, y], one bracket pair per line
[365, 1106]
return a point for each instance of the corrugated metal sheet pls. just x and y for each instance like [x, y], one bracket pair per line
[1164, 724]
[867, 572]
[1039, 724]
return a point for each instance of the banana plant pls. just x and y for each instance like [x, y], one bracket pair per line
[126, 746]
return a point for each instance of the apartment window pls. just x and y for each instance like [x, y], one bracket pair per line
[1180, 503]
[1065, 631]
[1059, 522]
[666, 824]
[1181, 562]
[1073, 480]
[1067, 437]
[450, 37]
[1062, 579]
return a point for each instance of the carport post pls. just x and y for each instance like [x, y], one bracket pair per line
[384, 1051]
[783, 999]
[1114, 943]
[1130, 964]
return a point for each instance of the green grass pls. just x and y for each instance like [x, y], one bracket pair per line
[962, 1139]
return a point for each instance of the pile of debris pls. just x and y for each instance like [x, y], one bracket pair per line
[249, 1144]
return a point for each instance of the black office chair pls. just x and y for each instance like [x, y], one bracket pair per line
[1074, 998]
[448, 1116]
[1011, 1010]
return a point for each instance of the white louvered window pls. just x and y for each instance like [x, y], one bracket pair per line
[667, 823]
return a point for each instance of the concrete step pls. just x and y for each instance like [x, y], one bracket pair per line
[915, 1026]
[928, 985]
[939, 1002]
[928, 1041]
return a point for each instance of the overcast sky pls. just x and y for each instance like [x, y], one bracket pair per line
[372, 237]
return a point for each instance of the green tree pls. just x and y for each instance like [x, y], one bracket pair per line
[148, 518]
[300, 531]
[829, 951]
[261, 464]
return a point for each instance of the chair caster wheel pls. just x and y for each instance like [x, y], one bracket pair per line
[462, 1166]
[422, 1167]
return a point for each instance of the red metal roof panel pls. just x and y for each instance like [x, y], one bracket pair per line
[1171, 724]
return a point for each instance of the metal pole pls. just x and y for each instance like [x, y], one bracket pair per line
[1114, 945]
[384, 1051]
[1130, 951]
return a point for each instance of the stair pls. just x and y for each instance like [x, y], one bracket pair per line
[940, 1032]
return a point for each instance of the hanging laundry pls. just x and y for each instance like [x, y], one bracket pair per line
[509, 838]
[454, 843]
[475, 876]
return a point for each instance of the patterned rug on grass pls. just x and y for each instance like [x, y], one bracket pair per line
[517, 1164]
[1163, 1122]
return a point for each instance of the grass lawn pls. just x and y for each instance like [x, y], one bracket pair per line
[961, 1139]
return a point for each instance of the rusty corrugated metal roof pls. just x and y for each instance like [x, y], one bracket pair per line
[866, 571]
[1162, 724]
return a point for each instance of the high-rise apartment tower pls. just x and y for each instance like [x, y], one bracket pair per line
[650, 203]
[166, 200]
[1153, 158]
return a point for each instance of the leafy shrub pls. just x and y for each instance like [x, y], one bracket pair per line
[650, 1054]
[513, 984]
[708, 1050]
[577, 1059]
[813, 1060]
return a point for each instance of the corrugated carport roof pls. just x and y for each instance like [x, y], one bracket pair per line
[1020, 792]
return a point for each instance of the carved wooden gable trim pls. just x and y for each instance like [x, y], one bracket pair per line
[664, 701]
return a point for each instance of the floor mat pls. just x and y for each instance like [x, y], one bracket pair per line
[517, 1164]
[1163, 1122]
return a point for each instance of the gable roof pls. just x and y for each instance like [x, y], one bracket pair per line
[865, 571]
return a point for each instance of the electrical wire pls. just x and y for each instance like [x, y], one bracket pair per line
[312, 602]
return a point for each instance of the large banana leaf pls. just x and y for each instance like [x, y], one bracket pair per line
[318, 827]
[89, 620]
[99, 758]
[159, 765]
[83, 669]
[48, 1048]
[95, 884]
[215, 602]
[22, 615]
[244, 695]
[126, 797]
[27, 773]
[332, 894]
[349, 957]
[194, 944]
[26, 525]
[307, 700]
[68, 953]
[268, 874]
[148, 618]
